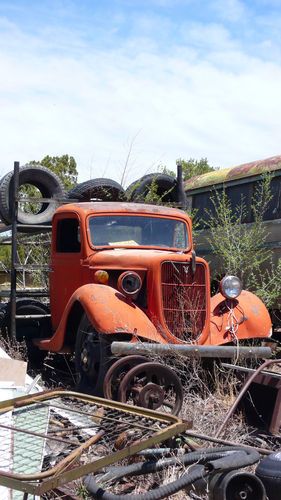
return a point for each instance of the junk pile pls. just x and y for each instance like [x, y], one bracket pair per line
[51, 438]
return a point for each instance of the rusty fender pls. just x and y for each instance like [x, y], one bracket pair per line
[109, 312]
[247, 314]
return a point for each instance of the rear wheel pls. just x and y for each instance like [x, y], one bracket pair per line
[92, 358]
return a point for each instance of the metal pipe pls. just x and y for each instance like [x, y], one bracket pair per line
[204, 437]
[14, 261]
[197, 351]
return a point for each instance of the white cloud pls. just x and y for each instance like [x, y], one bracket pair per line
[230, 10]
[90, 103]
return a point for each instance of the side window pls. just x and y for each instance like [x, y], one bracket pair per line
[68, 236]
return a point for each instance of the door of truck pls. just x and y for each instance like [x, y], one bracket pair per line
[66, 258]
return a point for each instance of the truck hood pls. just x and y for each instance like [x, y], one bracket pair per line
[133, 258]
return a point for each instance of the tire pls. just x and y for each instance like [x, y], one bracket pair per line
[99, 189]
[92, 358]
[3, 317]
[32, 328]
[49, 185]
[166, 188]
[29, 329]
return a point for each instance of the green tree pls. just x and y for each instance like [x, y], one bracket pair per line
[192, 167]
[64, 166]
[241, 247]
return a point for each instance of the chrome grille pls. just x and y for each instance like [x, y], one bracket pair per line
[184, 299]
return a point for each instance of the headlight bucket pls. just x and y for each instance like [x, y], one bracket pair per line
[129, 283]
[230, 287]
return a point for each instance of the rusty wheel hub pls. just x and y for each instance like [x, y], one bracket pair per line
[152, 385]
[151, 396]
[90, 355]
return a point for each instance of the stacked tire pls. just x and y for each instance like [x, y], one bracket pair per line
[49, 185]
[100, 189]
[162, 185]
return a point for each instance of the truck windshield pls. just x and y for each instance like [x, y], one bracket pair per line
[134, 231]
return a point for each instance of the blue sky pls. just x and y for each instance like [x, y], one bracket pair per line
[163, 79]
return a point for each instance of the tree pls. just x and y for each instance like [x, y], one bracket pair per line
[192, 167]
[241, 247]
[64, 166]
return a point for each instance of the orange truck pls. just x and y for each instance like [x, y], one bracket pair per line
[125, 271]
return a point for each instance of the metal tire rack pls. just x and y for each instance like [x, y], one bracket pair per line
[15, 266]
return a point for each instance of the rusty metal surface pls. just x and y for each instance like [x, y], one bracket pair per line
[227, 442]
[116, 373]
[262, 407]
[185, 299]
[228, 174]
[244, 390]
[152, 385]
[74, 424]
[119, 207]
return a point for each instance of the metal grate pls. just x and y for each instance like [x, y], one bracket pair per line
[184, 299]
[52, 438]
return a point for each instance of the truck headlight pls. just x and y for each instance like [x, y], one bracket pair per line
[129, 283]
[230, 287]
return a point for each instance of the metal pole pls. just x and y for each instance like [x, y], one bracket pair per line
[196, 351]
[14, 210]
[180, 188]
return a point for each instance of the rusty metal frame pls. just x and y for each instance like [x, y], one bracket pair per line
[276, 418]
[40, 483]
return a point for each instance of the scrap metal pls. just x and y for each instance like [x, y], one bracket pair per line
[74, 434]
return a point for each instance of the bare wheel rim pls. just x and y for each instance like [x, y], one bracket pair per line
[117, 372]
[154, 386]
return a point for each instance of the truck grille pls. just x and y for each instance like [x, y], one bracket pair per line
[184, 299]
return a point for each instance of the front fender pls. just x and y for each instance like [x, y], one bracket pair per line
[249, 316]
[109, 312]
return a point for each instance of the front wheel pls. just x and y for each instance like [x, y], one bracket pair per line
[92, 358]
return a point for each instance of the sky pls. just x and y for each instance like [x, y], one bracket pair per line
[125, 86]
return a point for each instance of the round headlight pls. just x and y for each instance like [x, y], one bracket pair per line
[230, 287]
[129, 283]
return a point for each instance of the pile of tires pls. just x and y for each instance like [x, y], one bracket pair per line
[164, 187]
[51, 189]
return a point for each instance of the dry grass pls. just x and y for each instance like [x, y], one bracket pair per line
[16, 350]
